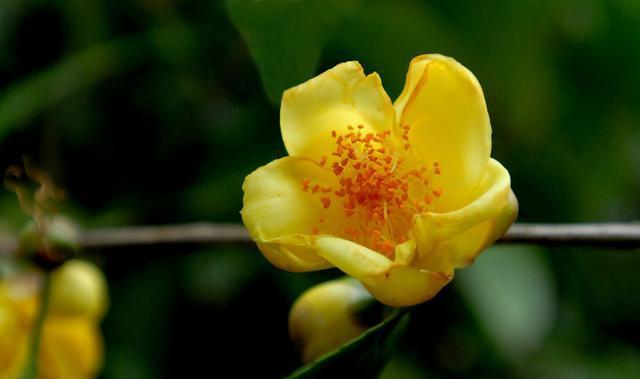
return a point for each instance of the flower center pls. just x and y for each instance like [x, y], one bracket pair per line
[381, 186]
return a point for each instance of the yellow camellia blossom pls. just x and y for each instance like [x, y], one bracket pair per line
[396, 195]
[71, 343]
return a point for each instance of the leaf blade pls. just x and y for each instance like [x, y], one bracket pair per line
[362, 357]
[286, 38]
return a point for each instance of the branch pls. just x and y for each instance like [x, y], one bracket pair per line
[197, 233]
[625, 235]
[604, 235]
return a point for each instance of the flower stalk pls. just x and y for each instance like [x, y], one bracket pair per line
[30, 370]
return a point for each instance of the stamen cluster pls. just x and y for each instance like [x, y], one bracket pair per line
[380, 183]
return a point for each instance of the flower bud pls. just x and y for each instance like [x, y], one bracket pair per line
[327, 316]
[13, 342]
[49, 243]
[78, 288]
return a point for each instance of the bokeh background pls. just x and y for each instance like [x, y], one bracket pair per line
[153, 112]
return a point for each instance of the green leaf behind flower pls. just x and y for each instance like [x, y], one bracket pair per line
[286, 37]
[363, 357]
[510, 290]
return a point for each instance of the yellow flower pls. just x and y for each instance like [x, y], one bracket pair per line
[325, 317]
[71, 343]
[396, 195]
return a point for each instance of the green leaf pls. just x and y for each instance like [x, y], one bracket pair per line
[286, 37]
[363, 357]
[30, 370]
[510, 291]
[22, 101]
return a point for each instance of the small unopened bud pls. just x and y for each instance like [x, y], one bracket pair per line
[328, 315]
[78, 288]
[50, 242]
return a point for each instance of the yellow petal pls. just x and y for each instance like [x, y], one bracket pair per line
[403, 286]
[466, 247]
[414, 75]
[405, 252]
[390, 283]
[333, 100]
[282, 218]
[504, 220]
[462, 234]
[444, 105]
[70, 348]
[293, 258]
[353, 259]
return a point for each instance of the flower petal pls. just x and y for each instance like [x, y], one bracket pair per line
[405, 252]
[282, 218]
[293, 258]
[443, 103]
[461, 235]
[466, 247]
[404, 286]
[391, 283]
[353, 259]
[333, 100]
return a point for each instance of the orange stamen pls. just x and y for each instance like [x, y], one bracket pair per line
[305, 184]
[381, 184]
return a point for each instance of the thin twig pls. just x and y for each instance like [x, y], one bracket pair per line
[197, 233]
[622, 235]
[615, 235]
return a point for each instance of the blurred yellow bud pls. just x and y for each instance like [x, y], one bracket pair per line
[326, 316]
[13, 342]
[70, 344]
[78, 288]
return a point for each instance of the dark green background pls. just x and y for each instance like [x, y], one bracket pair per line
[153, 111]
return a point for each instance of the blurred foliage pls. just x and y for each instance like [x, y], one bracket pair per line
[300, 39]
[153, 111]
[510, 292]
[362, 357]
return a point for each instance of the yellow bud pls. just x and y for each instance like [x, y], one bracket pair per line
[78, 288]
[326, 316]
[13, 341]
